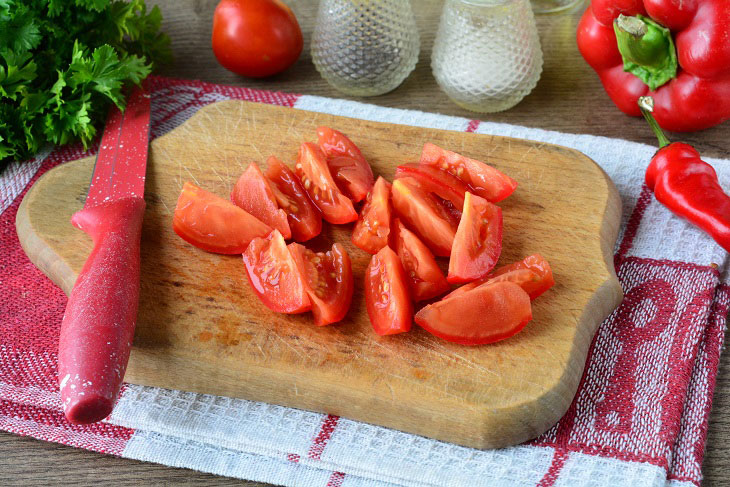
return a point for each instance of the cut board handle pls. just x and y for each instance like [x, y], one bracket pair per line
[98, 327]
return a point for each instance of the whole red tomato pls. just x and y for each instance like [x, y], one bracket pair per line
[255, 38]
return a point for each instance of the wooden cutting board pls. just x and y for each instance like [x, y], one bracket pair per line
[202, 329]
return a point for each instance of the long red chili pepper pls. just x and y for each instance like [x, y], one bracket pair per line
[686, 184]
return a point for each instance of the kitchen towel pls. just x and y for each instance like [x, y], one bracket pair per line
[639, 418]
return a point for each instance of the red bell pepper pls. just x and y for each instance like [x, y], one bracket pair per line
[686, 184]
[631, 45]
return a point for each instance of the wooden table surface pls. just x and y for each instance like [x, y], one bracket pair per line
[568, 98]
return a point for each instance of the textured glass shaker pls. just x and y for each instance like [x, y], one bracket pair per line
[365, 47]
[487, 55]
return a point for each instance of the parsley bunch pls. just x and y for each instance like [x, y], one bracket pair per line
[62, 62]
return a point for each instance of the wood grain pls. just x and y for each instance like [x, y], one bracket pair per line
[201, 328]
[569, 98]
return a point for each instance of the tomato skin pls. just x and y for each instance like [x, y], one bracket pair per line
[253, 193]
[478, 240]
[255, 38]
[214, 224]
[327, 280]
[373, 226]
[437, 181]
[421, 212]
[349, 168]
[386, 294]
[315, 175]
[486, 314]
[303, 217]
[486, 181]
[424, 276]
[274, 275]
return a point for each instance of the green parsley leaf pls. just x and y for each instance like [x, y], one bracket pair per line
[20, 30]
[63, 62]
[18, 71]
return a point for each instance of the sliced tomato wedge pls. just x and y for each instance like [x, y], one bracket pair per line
[533, 274]
[327, 280]
[274, 275]
[317, 181]
[478, 240]
[462, 289]
[486, 181]
[350, 170]
[214, 224]
[335, 143]
[253, 193]
[432, 179]
[373, 227]
[386, 294]
[303, 217]
[485, 314]
[425, 215]
[425, 278]
[349, 177]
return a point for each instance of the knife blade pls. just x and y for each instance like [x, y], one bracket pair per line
[98, 326]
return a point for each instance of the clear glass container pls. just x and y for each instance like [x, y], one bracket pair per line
[365, 47]
[487, 55]
[555, 6]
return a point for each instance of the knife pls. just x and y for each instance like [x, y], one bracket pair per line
[98, 325]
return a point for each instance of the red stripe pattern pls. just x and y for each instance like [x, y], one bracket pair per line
[633, 224]
[336, 479]
[551, 476]
[329, 423]
[473, 125]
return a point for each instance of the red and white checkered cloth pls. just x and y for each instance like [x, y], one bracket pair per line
[639, 417]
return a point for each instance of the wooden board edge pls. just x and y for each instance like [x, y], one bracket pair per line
[38, 251]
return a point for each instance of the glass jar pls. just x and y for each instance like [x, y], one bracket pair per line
[555, 6]
[487, 55]
[365, 47]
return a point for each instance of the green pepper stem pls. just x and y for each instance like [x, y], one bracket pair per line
[632, 25]
[647, 49]
[646, 105]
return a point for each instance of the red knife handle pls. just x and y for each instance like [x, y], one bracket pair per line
[98, 327]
